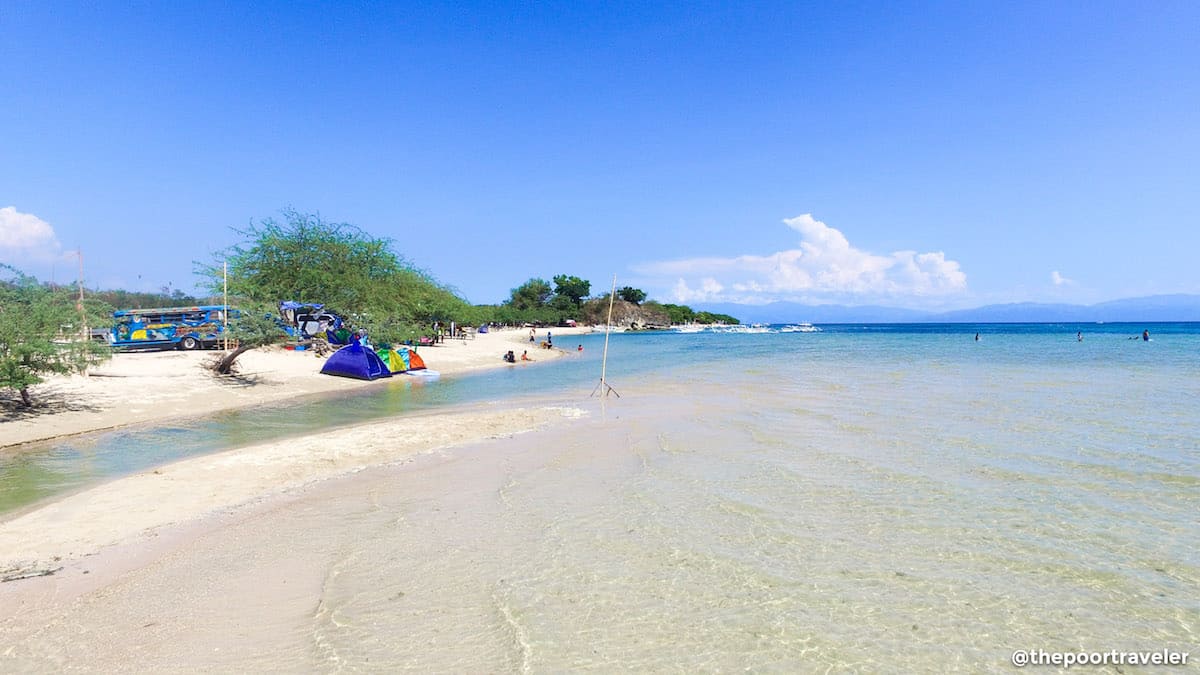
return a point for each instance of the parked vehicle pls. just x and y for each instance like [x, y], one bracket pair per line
[306, 320]
[169, 327]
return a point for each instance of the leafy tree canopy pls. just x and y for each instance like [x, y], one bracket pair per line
[532, 294]
[308, 259]
[679, 313]
[305, 258]
[572, 287]
[533, 302]
[630, 294]
[711, 317]
[41, 332]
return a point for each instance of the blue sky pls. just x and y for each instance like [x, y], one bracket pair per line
[925, 155]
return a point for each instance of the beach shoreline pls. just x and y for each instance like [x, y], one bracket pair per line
[159, 387]
[748, 502]
[142, 390]
[80, 524]
[98, 543]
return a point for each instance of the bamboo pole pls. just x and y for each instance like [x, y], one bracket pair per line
[225, 314]
[85, 334]
[604, 360]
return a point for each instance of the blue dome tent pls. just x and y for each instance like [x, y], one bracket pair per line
[355, 361]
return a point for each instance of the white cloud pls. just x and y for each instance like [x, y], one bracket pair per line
[824, 267]
[1060, 280]
[709, 289]
[25, 236]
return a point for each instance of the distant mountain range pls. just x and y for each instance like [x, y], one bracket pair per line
[1149, 308]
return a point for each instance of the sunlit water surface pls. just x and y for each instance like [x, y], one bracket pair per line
[864, 498]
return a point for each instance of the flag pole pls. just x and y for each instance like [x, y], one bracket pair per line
[604, 361]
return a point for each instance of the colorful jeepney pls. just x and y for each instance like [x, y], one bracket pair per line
[169, 327]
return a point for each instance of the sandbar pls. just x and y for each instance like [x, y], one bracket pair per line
[155, 387]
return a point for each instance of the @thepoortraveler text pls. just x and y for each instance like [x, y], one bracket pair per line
[1113, 657]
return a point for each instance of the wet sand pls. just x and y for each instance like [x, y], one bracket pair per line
[80, 550]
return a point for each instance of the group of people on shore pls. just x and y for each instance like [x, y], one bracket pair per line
[511, 356]
[548, 343]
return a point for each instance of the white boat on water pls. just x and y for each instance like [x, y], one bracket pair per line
[689, 328]
[800, 328]
[748, 328]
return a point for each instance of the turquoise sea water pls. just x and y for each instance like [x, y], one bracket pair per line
[864, 497]
[1158, 373]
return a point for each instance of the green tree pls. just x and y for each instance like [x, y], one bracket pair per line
[532, 294]
[360, 277]
[40, 332]
[679, 313]
[563, 307]
[572, 287]
[630, 294]
[710, 317]
[307, 259]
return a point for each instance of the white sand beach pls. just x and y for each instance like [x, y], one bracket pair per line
[128, 519]
[807, 503]
[135, 388]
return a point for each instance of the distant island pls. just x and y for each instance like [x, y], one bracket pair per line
[1179, 307]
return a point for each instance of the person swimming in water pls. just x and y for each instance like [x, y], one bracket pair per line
[1145, 336]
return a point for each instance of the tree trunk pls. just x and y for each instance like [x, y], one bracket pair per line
[225, 365]
[25, 397]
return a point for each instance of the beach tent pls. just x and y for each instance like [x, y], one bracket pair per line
[392, 359]
[401, 360]
[415, 362]
[355, 361]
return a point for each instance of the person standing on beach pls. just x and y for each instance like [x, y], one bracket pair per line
[531, 334]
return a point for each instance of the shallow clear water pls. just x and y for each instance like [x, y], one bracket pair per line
[1160, 373]
[864, 498]
[911, 500]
